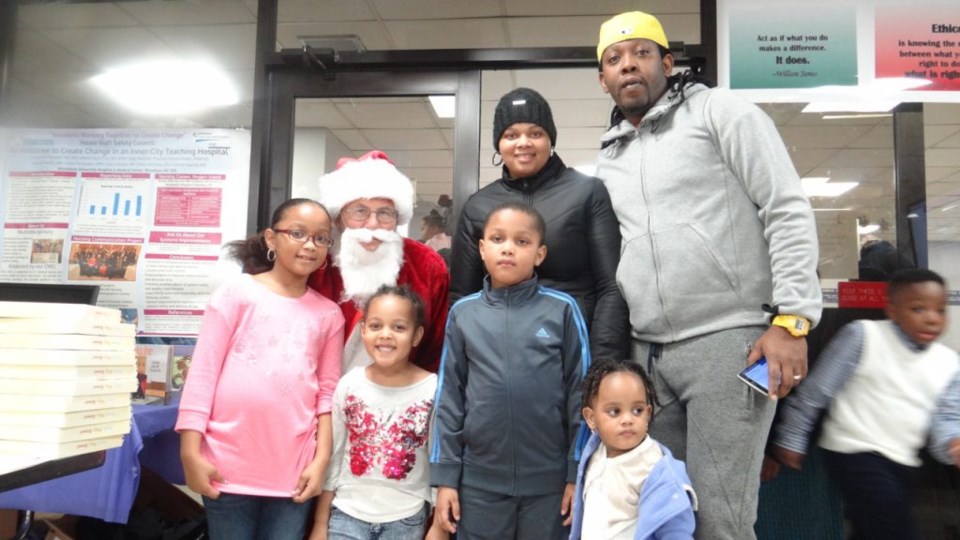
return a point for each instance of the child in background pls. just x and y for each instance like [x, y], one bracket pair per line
[254, 419]
[377, 485]
[433, 232]
[629, 486]
[879, 383]
[945, 429]
[506, 432]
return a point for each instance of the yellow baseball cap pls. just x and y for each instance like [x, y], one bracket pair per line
[630, 25]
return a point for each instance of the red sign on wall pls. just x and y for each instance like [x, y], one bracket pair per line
[862, 294]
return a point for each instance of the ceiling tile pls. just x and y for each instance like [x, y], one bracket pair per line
[863, 175]
[879, 137]
[34, 52]
[577, 83]
[189, 13]
[941, 174]
[577, 158]
[573, 138]
[821, 136]
[421, 158]
[933, 133]
[320, 113]
[952, 142]
[81, 15]
[35, 108]
[859, 158]
[434, 9]
[781, 113]
[806, 158]
[942, 157]
[448, 34]
[606, 8]
[582, 113]
[300, 11]
[941, 113]
[68, 86]
[405, 139]
[448, 136]
[542, 31]
[229, 45]
[365, 114]
[943, 188]
[353, 139]
[494, 84]
[430, 174]
[109, 47]
[371, 33]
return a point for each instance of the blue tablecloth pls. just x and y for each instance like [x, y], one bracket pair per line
[108, 492]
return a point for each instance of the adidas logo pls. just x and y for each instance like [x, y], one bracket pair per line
[541, 333]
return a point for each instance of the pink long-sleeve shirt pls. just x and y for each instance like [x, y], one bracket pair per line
[264, 367]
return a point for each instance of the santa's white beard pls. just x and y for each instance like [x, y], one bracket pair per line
[365, 271]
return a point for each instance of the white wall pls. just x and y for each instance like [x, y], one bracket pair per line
[315, 152]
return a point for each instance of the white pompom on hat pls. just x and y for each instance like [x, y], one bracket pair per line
[370, 176]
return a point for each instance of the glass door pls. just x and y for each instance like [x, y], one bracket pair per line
[314, 121]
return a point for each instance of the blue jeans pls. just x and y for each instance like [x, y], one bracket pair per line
[249, 517]
[344, 527]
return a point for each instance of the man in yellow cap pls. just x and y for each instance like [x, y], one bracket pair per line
[718, 262]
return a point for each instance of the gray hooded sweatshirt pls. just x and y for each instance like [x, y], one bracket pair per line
[713, 218]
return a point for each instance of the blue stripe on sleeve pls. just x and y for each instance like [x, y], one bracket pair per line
[435, 450]
[583, 434]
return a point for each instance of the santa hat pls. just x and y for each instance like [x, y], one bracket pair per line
[370, 176]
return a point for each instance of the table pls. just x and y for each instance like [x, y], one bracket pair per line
[49, 470]
[108, 491]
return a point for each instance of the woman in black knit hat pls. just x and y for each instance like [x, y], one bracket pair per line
[583, 237]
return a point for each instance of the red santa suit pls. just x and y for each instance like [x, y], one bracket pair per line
[424, 271]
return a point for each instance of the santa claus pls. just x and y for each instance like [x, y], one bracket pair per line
[368, 199]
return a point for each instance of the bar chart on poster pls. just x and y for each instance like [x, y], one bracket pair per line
[132, 207]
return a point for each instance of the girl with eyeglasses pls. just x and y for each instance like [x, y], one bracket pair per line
[254, 420]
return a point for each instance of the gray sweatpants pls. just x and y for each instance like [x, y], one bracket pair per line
[714, 422]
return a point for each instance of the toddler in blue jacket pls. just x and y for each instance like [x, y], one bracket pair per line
[629, 486]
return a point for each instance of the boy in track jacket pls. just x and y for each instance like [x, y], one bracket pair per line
[507, 425]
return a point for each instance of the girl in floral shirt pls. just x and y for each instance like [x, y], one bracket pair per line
[377, 483]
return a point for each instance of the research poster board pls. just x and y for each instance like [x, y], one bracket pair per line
[840, 50]
[143, 213]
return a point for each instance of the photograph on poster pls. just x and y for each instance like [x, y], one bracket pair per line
[103, 262]
[46, 251]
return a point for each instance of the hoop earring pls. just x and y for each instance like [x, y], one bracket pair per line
[496, 159]
[271, 255]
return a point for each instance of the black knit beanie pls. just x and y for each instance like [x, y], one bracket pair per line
[523, 105]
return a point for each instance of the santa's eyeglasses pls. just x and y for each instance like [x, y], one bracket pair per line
[385, 216]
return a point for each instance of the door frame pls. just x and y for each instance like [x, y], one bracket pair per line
[304, 73]
[285, 86]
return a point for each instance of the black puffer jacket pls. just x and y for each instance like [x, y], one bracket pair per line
[583, 247]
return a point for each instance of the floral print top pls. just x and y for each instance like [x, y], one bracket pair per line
[379, 467]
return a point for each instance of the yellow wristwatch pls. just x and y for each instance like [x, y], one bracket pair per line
[797, 326]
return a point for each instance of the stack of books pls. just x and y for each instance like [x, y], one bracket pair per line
[66, 374]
